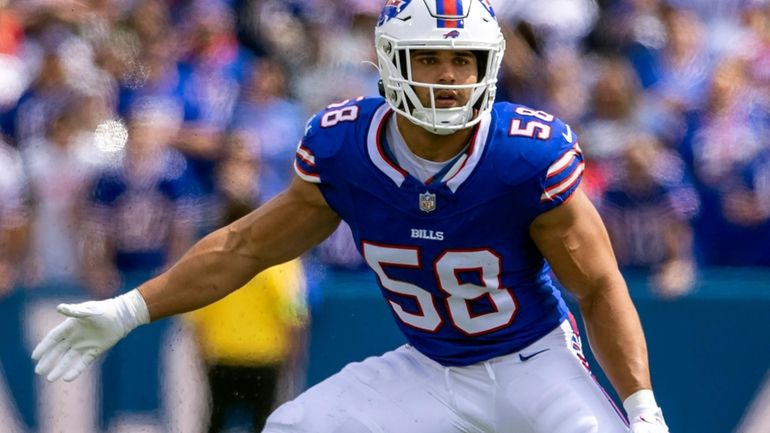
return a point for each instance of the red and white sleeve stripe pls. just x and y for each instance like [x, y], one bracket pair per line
[304, 165]
[563, 176]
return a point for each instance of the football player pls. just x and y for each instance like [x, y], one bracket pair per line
[462, 208]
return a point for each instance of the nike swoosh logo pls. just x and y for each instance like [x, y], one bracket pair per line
[568, 135]
[532, 355]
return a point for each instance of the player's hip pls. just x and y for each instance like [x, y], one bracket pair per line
[543, 388]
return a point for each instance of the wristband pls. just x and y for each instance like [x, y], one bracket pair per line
[640, 402]
[132, 310]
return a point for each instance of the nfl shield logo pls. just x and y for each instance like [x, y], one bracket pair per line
[427, 202]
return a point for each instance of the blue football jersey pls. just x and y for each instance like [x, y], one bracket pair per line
[453, 256]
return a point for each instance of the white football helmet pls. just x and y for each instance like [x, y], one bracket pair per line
[407, 25]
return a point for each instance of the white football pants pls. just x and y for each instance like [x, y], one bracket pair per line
[545, 388]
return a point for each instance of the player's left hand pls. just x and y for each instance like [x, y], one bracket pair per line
[644, 414]
[651, 422]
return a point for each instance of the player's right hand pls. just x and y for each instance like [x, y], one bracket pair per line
[88, 331]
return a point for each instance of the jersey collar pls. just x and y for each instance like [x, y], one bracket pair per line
[457, 172]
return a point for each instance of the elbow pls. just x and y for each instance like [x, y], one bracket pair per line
[236, 242]
[233, 240]
[599, 288]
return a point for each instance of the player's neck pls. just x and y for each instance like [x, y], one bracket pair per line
[430, 146]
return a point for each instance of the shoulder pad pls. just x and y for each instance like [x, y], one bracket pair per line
[529, 141]
[330, 129]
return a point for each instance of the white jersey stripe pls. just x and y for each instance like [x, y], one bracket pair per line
[375, 128]
[458, 165]
[562, 163]
[305, 155]
[469, 165]
[308, 177]
[564, 185]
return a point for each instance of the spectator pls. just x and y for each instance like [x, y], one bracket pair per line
[521, 66]
[141, 211]
[45, 95]
[148, 51]
[613, 117]
[647, 209]
[139, 218]
[731, 163]
[566, 86]
[14, 218]
[630, 24]
[211, 72]
[679, 68]
[612, 120]
[675, 76]
[342, 58]
[59, 173]
[249, 340]
[273, 120]
[757, 21]
[14, 223]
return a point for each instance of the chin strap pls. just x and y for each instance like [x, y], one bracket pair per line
[452, 116]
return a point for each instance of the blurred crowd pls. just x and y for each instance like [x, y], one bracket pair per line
[130, 128]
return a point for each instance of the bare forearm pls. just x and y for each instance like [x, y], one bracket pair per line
[573, 239]
[225, 260]
[206, 273]
[616, 337]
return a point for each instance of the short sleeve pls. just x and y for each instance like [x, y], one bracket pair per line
[563, 175]
[305, 164]
[324, 134]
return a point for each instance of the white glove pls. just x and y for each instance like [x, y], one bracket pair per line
[89, 330]
[643, 413]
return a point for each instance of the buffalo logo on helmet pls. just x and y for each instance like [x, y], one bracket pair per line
[453, 34]
[391, 9]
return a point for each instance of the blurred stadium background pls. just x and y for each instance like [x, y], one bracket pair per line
[130, 128]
